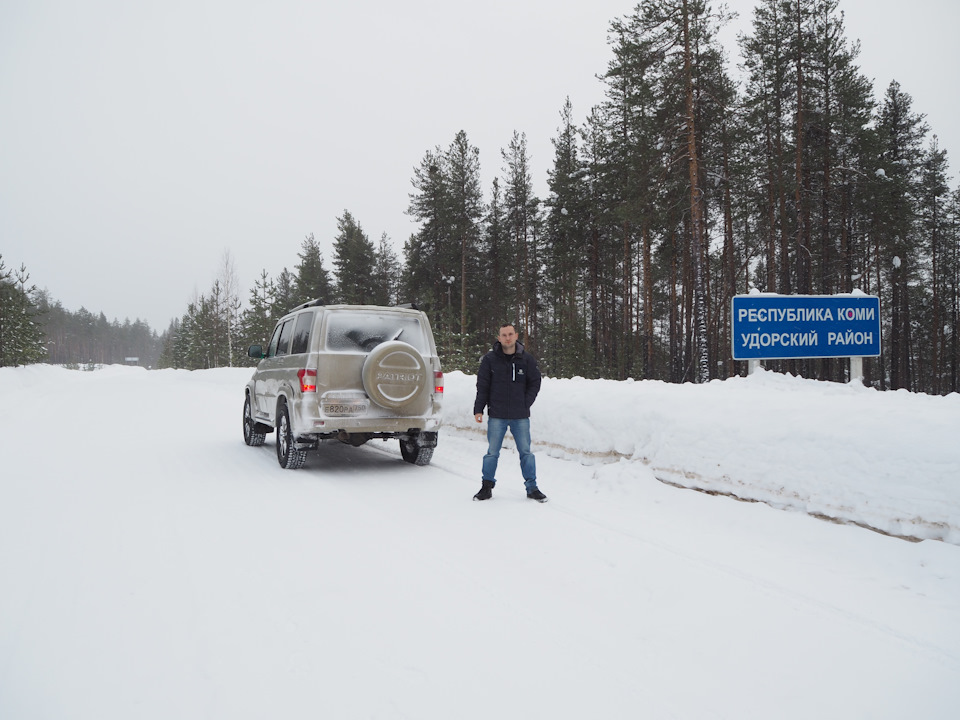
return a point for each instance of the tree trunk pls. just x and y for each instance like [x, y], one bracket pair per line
[800, 196]
[729, 262]
[647, 303]
[463, 289]
[700, 349]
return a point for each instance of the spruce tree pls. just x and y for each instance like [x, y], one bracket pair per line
[899, 254]
[951, 300]
[425, 276]
[386, 274]
[353, 258]
[521, 210]
[565, 252]
[465, 210]
[21, 333]
[259, 318]
[312, 278]
[285, 294]
[768, 94]
[496, 258]
[933, 196]
[169, 339]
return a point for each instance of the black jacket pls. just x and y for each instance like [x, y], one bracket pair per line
[507, 385]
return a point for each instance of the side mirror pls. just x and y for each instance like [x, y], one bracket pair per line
[255, 351]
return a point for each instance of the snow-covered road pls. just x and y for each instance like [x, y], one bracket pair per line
[153, 566]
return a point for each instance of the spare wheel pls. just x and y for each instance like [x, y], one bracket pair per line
[395, 374]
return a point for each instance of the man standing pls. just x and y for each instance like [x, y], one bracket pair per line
[507, 384]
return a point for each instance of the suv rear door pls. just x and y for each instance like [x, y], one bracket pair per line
[270, 370]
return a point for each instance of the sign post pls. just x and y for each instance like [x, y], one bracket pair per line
[794, 327]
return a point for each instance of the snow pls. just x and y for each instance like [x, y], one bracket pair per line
[890, 461]
[153, 566]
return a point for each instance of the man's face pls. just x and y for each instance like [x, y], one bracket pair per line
[508, 338]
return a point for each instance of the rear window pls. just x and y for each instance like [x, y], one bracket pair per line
[301, 334]
[283, 347]
[354, 332]
[274, 340]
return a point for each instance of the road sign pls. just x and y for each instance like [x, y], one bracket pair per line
[788, 327]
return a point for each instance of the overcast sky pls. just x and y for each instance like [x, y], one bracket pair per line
[140, 140]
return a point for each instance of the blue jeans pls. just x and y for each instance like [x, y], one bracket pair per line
[520, 429]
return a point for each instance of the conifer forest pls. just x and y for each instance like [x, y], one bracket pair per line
[699, 177]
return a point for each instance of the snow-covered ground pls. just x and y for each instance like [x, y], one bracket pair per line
[153, 566]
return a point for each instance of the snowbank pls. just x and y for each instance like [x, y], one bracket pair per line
[885, 460]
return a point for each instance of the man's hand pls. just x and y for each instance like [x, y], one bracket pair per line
[478, 417]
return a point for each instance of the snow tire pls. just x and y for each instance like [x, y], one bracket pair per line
[289, 457]
[252, 434]
[414, 453]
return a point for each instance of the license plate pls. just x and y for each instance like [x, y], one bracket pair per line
[344, 408]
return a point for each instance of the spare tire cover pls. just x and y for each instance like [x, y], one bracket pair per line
[394, 374]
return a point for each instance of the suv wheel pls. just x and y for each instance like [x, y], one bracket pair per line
[414, 453]
[287, 454]
[251, 434]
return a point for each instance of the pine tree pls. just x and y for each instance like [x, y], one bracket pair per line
[424, 275]
[21, 333]
[933, 224]
[564, 339]
[496, 259]
[230, 307]
[522, 209]
[768, 94]
[312, 278]
[259, 318]
[465, 207]
[600, 273]
[353, 258]
[633, 140]
[895, 217]
[386, 274]
[852, 145]
[190, 352]
[216, 328]
[810, 174]
[285, 294]
[951, 275]
[169, 346]
[442, 257]
[670, 70]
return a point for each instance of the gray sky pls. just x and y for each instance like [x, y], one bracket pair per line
[140, 140]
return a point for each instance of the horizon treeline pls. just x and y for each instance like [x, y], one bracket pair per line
[680, 190]
[35, 328]
[87, 338]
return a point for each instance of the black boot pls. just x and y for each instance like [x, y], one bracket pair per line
[535, 494]
[486, 492]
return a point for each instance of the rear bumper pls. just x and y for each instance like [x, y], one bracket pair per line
[378, 427]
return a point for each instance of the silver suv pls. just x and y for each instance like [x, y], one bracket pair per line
[349, 372]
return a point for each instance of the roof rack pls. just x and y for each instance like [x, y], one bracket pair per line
[310, 303]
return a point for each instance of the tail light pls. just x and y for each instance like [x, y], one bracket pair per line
[438, 381]
[308, 380]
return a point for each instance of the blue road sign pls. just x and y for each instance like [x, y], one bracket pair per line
[788, 327]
